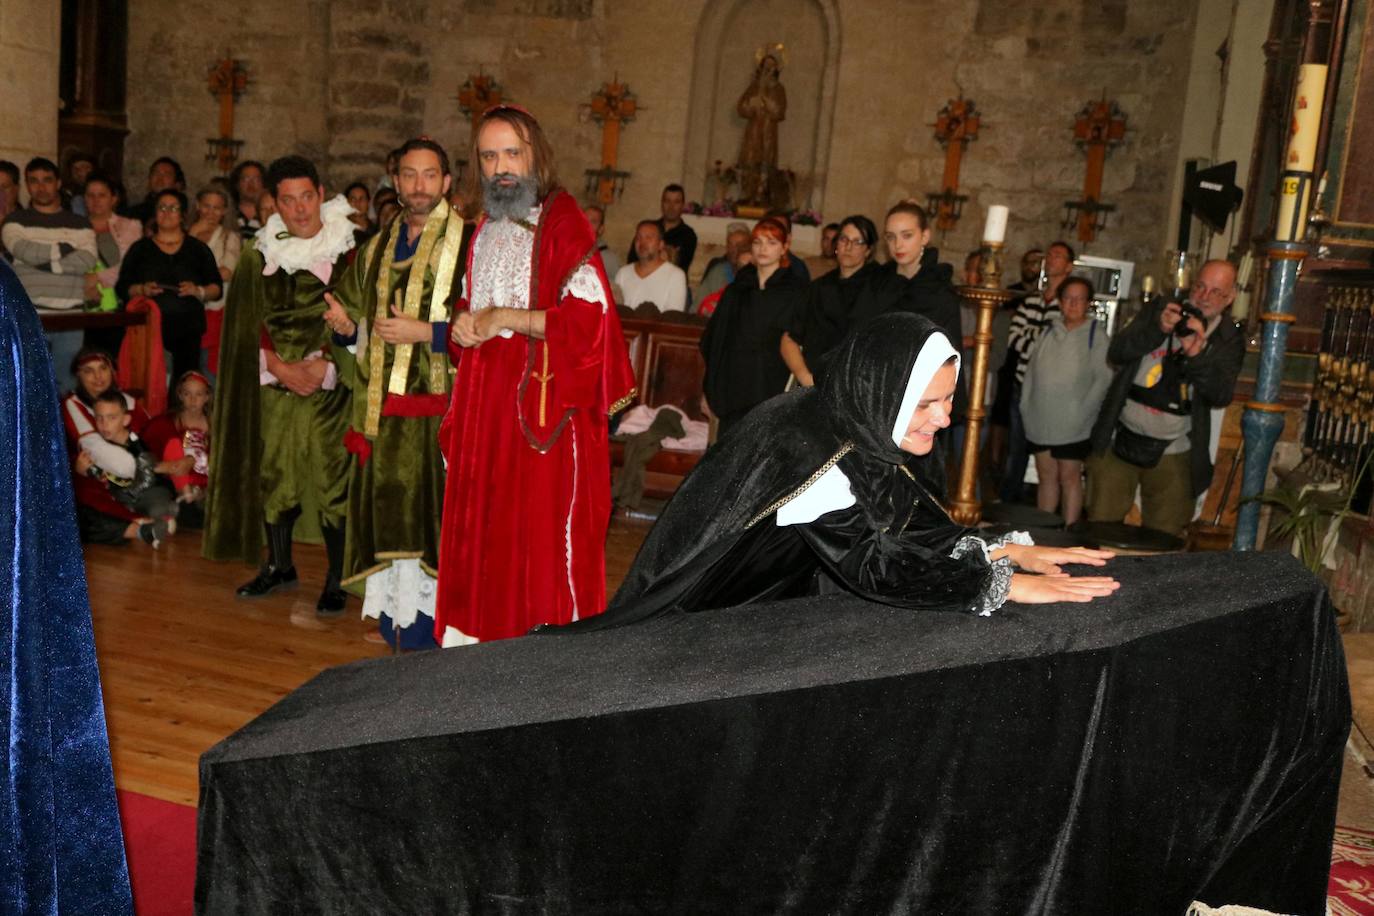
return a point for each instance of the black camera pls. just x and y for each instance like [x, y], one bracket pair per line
[1188, 310]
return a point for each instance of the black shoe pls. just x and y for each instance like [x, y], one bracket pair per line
[267, 581]
[332, 601]
[333, 598]
[153, 533]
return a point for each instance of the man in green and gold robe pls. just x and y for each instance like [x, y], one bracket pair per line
[281, 410]
[389, 313]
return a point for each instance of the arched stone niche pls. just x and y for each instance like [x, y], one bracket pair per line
[727, 38]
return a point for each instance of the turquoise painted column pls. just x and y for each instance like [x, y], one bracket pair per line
[1262, 421]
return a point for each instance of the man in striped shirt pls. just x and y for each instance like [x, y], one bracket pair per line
[1030, 319]
[52, 249]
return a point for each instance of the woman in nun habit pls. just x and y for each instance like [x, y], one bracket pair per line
[833, 489]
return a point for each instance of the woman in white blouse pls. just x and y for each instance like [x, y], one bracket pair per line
[214, 223]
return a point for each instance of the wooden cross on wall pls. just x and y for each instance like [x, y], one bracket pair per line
[612, 107]
[1101, 125]
[478, 94]
[955, 125]
[228, 80]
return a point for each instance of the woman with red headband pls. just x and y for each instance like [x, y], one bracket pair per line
[102, 519]
[740, 343]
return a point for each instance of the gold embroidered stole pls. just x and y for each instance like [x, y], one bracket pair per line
[444, 264]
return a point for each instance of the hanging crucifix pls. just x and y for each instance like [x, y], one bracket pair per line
[613, 106]
[1101, 125]
[478, 94]
[956, 124]
[228, 80]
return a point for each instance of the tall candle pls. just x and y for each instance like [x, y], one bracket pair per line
[1295, 192]
[995, 229]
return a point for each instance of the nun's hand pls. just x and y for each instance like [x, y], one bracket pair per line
[1030, 589]
[1048, 560]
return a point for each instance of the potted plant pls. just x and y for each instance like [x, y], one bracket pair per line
[1311, 516]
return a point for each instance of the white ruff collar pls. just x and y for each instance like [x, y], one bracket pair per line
[283, 251]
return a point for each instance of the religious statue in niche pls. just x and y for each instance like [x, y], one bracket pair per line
[762, 105]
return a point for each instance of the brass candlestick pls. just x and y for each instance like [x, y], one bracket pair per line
[987, 297]
[990, 265]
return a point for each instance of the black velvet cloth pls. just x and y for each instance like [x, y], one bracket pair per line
[1179, 740]
[717, 543]
[740, 344]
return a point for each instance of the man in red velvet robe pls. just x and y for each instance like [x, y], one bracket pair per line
[541, 365]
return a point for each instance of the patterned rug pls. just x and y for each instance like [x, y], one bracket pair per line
[1351, 889]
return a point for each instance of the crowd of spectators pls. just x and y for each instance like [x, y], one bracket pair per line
[1101, 416]
[1061, 393]
[80, 243]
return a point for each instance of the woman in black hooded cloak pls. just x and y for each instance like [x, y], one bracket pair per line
[831, 489]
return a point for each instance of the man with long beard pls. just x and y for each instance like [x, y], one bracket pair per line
[280, 412]
[390, 312]
[541, 364]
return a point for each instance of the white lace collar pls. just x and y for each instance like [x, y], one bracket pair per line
[283, 251]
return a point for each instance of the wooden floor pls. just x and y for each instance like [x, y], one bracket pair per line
[183, 663]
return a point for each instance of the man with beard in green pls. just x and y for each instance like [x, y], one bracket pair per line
[390, 313]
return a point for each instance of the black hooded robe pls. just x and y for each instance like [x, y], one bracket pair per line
[744, 367]
[718, 543]
[828, 315]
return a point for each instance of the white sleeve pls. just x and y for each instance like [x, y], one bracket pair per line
[107, 456]
[264, 377]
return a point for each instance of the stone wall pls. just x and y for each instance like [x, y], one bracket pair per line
[30, 36]
[172, 46]
[345, 81]
[1029, 68]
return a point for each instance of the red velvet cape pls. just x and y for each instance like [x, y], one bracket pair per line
[527, 498]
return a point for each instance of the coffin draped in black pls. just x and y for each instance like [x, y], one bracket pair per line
[1181, 739]
[717, 543]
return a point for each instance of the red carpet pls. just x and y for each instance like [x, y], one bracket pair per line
[1351, 891]
[160, 840]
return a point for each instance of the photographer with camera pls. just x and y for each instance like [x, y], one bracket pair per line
[1176, 362]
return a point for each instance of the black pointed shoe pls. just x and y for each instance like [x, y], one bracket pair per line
[268, 580]
[332, 601]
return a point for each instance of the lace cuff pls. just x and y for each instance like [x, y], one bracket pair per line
[998, 587]
[585, 284]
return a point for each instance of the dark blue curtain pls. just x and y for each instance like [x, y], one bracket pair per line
[61, 847]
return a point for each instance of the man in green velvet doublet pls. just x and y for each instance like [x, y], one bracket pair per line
[389, 313]
[282, 406]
